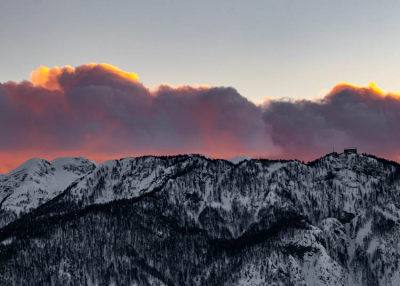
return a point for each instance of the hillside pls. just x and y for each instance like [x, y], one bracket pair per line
[192, 220]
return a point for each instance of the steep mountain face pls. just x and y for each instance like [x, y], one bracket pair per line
[36, 182]
[191, 220]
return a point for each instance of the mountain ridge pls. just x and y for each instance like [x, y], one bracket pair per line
[37, 181]
[331, 221]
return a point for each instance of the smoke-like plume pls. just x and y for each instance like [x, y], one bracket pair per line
[101, 112]
[348, 116]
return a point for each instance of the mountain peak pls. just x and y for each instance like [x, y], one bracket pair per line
[31, 164]
[333, 221]
[239, 159]
[37, 181]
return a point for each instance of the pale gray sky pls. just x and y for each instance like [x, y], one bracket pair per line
[284, 48]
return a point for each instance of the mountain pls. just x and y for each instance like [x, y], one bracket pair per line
[192, 220]
[237, 160]
[37, 181]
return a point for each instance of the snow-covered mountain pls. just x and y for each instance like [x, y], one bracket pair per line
[36, 182]
[239, 159]
[192, 220]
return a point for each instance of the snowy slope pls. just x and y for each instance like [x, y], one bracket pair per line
[229, 200]
[237, 160]
[333, 221]
[36, 182]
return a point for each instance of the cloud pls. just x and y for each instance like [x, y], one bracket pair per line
[347, 116]
[102, 112]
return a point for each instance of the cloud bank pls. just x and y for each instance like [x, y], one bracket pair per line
[349, 115]
[101, 112]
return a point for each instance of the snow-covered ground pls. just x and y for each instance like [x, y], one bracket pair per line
[347, 204]
[37, 181]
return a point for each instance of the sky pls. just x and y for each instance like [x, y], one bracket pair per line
[275, 79]
[285, 48]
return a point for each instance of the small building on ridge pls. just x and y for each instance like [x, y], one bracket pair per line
[350, 151]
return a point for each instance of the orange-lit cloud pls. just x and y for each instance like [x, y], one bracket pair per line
[348, 115]
[52, 78]
[100, 112]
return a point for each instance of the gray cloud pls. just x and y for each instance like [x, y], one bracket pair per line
[98, 110]
[102, 112]
[347, 116]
